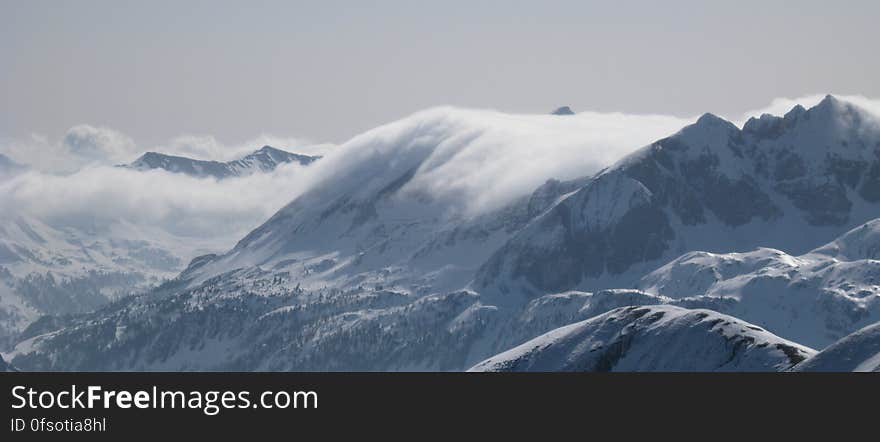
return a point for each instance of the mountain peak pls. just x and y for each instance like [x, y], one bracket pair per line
[710, 123]
[842, 116]
[710, 118]
[830, 105]
[795, 112]
[151, 154]
[268, 148]
[564, 110]
[829, 100]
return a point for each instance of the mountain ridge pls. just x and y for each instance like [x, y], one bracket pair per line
[265, 159]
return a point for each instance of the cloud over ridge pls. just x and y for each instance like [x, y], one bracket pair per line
[473, 161]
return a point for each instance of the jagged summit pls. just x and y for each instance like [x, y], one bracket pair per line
[708, 129]
[831, 101]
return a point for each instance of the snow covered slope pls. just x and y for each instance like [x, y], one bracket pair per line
[859, 351]
[652, 338]
[253, 320]
[789, 182]
[815, 298]
[265, 159]
[46, 270]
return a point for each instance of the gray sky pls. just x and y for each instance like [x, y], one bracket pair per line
[327, 70]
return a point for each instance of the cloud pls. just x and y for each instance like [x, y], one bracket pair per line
[81, 145]
[36, 151]
[98, 143]
[72, 183]
[474, 161]
[100, 197]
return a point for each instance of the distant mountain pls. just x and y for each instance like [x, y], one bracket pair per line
[789, 183]
[859, 351]
[564, 110]
[265, 159]
[653, 338]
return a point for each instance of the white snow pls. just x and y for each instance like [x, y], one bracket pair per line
[815, 298]
[652, 338]
[859, 351]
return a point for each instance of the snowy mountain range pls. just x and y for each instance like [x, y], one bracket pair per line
[265, 159]
[715, 248]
